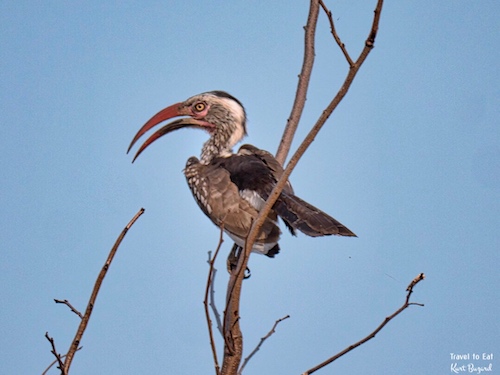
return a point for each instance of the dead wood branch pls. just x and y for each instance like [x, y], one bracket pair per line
[335, 35]
[269, 334]
[56, 354]
[212, 304]
[232, 333]
[302, 86]
[209, 291]
[56, 361]
[66, 302]
[353, 70]
[405, 305]
[90, 306]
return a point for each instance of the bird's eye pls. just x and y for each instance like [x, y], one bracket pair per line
[199, 107]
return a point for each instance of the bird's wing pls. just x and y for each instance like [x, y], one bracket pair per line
[269, 160]
[220, 200]
[260, 171]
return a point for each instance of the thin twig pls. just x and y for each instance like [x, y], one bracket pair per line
[55, 361]
[269, 334]
[209, 287]
[405, 305]
[83, 324]
[213, 306]
[56, 354]
[334, 33]
[66, 302]
[302, 86]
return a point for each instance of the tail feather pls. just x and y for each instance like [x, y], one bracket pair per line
[310, 220]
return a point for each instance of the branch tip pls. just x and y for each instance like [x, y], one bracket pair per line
[415, 281]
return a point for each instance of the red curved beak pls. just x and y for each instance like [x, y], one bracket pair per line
[172, 111]
[165, 114]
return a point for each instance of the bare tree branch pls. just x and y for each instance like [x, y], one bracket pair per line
[334, 33]
[66, 302]
[56, 354]
[83, 324]
[233, 338]
[269, 334]
[231, 361]
[273, 196]
[213, 306]
[55, 361]
[232, 332]
[405, 305]
[209, 290]
[303, 84]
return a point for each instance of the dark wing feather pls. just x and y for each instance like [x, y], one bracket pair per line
[275, 168]
[307, 218]
[295, 212]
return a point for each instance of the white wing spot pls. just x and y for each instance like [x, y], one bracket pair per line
[253, 198]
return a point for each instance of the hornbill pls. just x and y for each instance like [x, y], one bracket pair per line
[231, 188]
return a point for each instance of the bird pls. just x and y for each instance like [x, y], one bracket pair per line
[231, 188]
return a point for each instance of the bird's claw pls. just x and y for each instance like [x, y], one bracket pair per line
[232, 261]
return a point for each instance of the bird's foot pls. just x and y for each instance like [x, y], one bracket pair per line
[232, 261]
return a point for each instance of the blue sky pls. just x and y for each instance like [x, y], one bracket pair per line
[410, 162]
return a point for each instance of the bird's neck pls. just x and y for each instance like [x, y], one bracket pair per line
[214, 148]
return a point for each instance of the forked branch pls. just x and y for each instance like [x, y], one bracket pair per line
[233, 337]
[353, 70]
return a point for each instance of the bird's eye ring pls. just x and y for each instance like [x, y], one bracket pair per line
[199, 107]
